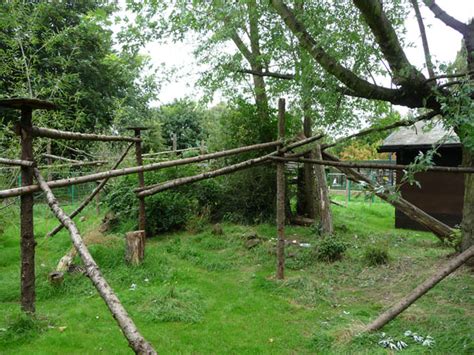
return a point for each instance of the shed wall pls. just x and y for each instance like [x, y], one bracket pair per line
[441, 194]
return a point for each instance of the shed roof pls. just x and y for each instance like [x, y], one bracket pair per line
[423, 134]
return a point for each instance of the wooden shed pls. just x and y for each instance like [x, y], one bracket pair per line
[441, 194]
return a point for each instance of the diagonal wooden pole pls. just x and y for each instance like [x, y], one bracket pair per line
[92, 194]
[427, 285]
[135, 340]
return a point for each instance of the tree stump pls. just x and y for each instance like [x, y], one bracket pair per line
[135, 247]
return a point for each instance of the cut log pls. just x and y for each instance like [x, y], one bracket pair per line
[356, 165]
[133, 170]
[302, 221]
[406, 302]
[370, 130]
[153, 189]
[135, 247]
[57, 134]
[17, 162]
[56, 157]
[441, 230]
[92, 194]
[27, 242]
[126, 324]
[280, 199]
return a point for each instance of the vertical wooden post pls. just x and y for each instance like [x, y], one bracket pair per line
[280, 200]
[49, 160]
[324, 200]
[141, 179]
[175, 142]
[97, 200]
[27, 243]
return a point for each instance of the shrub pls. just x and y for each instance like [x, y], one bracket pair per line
[376, 255]
[168, 210]
[330, 249]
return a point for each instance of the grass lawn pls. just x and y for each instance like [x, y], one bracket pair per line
[205, 293]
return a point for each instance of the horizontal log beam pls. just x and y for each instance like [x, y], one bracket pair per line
[171, 151]
[351, 164]
[133, 170]
[72, 165]
[57, 134]
[370, 130]
[17, 162]
[153, 189]
[57, 157]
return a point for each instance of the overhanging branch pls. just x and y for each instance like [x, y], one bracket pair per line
[447, 19]
[362, 87]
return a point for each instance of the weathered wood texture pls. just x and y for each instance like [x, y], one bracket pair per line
[356, 165]
[27, 243]
[141, 183]
[427, 285]
[153, 189]
[17, 162]
[126, 324]
[327, 227]
[89, 198]
[280, 198]
[135, 247]
[150, 167]
[56, 157]
[57, 134]
[441, 230]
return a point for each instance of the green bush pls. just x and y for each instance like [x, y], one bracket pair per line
[330, 249]
[167, 210]
[376, 255]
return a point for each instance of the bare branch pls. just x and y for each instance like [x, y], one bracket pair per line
[405, 74]
[447, 19]
[424, 39]
[268, 73]
[402, 123]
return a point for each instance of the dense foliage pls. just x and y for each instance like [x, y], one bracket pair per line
[64, 52]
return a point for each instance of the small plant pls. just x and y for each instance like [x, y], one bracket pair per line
[330, 249]
[376, 255]
[392, 344]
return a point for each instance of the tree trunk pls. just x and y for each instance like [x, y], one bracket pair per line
[126, 324]
[135, 247]
[261, 98]
[327, 227]
[406, 302]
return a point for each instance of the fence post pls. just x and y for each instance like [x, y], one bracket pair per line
[49, 161]
[141, 178]
[27, 243]
[280, 207]
[175, 142]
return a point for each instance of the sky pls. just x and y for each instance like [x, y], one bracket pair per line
[444, 43]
